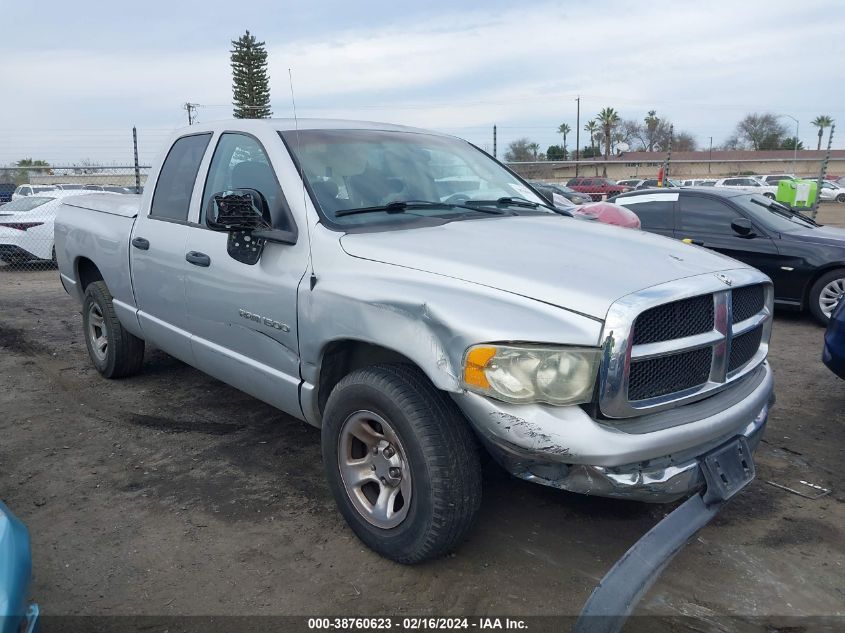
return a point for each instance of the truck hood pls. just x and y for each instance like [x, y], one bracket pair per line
[579, 266]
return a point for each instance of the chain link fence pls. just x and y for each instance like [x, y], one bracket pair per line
[31, 197]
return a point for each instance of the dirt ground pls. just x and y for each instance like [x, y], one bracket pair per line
[171, 493]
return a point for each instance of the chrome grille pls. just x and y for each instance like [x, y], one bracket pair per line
[669, 374]
[661, 351]
[743, 348]
[678, 319]
[748, 301]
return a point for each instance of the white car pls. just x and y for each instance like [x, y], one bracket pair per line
[698, 182]
[832, 191]
[26, 225]
[774, 179]
[31, 190]
[749, 184]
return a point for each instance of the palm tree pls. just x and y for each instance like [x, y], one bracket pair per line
[822, 121]
[592, 128]
[651, 122]
[534, 147]
[563, 130]
[608, 118]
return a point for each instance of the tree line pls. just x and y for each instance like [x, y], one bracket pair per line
[609, 134]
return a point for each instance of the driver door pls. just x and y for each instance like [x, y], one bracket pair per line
[243, 317]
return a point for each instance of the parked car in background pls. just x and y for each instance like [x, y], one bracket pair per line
[633, 183]
[773, 179]
[6, 191]
[555, 199]
[834, 339]
[596, 187]
[651, 183]
[321, 267]
[832, 191]
[31, 190]
[805, 260]
[121, 189]
[698, 182]
[575, 197]
[15, 575]
[72, 186]
[608, 213]
[748, 184]
[26, 226]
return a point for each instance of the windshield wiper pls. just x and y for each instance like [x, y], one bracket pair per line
[400, 206]
[505, 201]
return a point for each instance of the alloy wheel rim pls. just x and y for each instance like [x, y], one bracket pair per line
[831, 295]
[374, 469]
[98, 334]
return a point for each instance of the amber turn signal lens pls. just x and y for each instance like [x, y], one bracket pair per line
[476, 362]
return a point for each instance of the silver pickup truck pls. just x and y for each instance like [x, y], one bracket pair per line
[417, 301]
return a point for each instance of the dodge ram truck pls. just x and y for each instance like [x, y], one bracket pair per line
[417, 301]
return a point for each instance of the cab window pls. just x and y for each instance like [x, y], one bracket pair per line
[172, 195]
[240, 162]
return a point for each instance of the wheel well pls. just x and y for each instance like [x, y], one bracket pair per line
[87, 272]
[340, 358]
[815, 278]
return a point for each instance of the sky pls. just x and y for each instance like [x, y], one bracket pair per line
[75, 77]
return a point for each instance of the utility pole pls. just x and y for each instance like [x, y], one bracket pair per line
[668, 155]
[577, 132]
[710, 156]
[191, 108]
[137, 169]
[822, 173]
[494, 141]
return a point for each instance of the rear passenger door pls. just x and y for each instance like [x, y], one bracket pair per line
[157, 251]
[656, 211]
[706, 221]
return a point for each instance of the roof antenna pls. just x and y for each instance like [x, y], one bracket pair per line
[302, 178]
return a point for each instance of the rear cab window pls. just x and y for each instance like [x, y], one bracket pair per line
[175, 184]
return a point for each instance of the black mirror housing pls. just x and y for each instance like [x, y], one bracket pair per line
[743, 227]
[237, 210]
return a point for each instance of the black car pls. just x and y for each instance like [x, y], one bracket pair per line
[805, 260]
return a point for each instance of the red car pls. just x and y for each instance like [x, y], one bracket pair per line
[596, 187]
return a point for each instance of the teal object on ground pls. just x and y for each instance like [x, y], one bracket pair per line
[798, 194]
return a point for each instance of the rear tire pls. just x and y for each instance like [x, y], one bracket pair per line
[825, 293]
[114, 351]
[770, 196]
[417, 453]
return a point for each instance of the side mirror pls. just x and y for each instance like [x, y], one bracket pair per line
[237, 210]
[743, 227]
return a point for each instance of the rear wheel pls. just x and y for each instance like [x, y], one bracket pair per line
[770, 196]
[826, 294]
[401, 463]
[114, 351]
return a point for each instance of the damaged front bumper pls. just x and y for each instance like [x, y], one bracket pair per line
[655, 458]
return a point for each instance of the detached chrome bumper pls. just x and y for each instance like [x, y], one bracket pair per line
[654, 458]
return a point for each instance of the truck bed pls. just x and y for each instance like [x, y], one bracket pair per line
[97, 228]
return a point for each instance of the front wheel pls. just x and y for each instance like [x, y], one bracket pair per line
[770, 196]
[826, 294]
[840, 197]
[401, 463]
[114, 351]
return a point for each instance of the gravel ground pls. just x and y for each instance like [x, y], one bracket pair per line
[170, 493]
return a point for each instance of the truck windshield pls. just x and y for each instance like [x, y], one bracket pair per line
[369, 177]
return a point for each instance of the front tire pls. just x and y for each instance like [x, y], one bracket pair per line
[770, 196]
[401, 463]
[826, 294]
[840, 197]
[114, 351]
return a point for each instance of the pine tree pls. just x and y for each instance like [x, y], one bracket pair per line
[250, 83]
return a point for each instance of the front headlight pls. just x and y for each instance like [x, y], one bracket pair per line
[528, 373]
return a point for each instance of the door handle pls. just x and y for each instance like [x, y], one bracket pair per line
[140, 242]
[198, 259]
